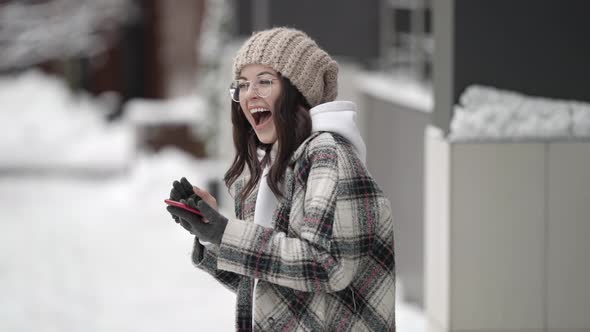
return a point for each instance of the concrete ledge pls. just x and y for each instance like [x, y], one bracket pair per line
[506, 229]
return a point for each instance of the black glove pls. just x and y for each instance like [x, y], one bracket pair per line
[212, 231]
[182, 190]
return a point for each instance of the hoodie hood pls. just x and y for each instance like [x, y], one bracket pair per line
[339, 117]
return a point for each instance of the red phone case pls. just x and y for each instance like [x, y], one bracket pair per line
[182, 206]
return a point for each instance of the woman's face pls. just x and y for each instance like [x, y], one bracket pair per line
[260, 110]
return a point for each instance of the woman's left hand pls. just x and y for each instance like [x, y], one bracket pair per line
[211, 231]
[205, 196]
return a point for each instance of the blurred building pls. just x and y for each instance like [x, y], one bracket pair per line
[148, 49]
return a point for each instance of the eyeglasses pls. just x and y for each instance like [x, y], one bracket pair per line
[262, 88]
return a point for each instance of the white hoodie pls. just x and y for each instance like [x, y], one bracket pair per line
[339, 117]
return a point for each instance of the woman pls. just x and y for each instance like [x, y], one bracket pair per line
[311, 247]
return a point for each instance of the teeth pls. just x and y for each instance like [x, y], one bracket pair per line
[257, 110]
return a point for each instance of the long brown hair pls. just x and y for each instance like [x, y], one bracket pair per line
[293, 125]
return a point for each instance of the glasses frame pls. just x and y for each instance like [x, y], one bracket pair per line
[251, 85]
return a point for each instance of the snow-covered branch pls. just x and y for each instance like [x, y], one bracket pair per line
[32, 33]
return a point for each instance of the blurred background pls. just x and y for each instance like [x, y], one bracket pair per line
[476, 115]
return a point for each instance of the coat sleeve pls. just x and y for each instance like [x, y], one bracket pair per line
[206, 260]
[313, 261]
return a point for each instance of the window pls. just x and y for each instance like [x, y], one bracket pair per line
[407, 40]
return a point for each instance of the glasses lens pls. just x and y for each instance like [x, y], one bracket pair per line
[234, 92]
[264, 87]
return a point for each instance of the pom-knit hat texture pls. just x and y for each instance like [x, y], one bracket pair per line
[296, 56]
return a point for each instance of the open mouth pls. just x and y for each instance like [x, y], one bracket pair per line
[261, 116]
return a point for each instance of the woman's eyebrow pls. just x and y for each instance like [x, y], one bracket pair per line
[259, 74]
[265, 72]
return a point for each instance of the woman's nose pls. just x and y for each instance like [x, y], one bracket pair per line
[250, 92]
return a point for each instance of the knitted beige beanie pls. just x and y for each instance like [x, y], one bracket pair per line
[296, 56]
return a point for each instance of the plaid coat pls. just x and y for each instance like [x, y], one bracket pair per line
[328, 264]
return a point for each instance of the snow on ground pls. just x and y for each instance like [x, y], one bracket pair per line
[45, 125]
[104, 255]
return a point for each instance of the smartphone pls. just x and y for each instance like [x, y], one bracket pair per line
[182, 206]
